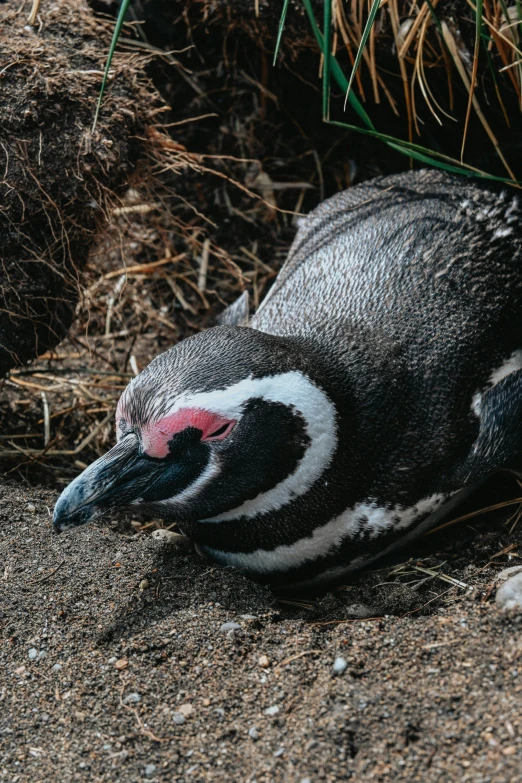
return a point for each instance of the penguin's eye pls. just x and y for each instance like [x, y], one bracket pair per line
[221, 432]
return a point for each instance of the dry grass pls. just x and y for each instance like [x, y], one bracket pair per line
[410, 50]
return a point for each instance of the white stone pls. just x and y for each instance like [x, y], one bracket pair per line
[509, 595]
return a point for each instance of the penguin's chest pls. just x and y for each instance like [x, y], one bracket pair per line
[346, 543]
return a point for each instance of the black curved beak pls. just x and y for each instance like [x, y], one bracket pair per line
[113, 481]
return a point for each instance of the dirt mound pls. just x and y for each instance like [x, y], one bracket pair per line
[58, 178]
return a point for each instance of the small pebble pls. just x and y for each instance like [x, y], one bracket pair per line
[57, 667]
[271, 711]
[359, 610]
[144, 584]
[305, 780]
[339, 665]
[248, 617]
[132, 698]
[150, 769]
[509, 595]
[167, 535]
[225, 627]
[112, 660]
[279, 753]
[33, 654]
[263, 661]
[178, 718]
[253, 733]
[186, 710]
[31, 508]
[121, 664]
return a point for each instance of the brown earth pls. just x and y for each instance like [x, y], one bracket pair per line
[107, 636]
[59, 176]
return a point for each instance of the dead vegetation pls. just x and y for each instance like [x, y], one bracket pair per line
[58, 181]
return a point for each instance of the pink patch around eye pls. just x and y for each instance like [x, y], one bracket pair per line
[156, 436]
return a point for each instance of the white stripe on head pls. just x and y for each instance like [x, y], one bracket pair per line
[294, 390]
[364, 518]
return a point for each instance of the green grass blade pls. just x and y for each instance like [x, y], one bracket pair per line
[337, 72]
[411, 150]
[362, 44]
[327, 57]
[117, 30]
[282, 21]
[434, 16]
[424, 155]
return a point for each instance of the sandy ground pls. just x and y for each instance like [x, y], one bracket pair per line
[114, 664]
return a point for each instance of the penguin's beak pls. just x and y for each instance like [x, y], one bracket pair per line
[113, 481]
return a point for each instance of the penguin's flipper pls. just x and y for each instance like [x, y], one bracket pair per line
[236, 314]
[499, 442]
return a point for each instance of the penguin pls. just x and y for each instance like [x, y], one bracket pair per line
[378, 383]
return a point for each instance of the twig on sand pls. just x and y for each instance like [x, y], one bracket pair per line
[47, 576]
[142, 726]
[299, 655]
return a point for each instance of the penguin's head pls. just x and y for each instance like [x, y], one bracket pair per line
[229, 424]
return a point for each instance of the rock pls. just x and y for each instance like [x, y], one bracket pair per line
[121, 664]
[168, 536]
[509, 595]
[278, 753]
[132, 698]
[150, 769]
[31, 508]
[225, 627]
[339, 665]
[178, 718]
[271, 711]
[186, 710]
[248, 617]
[253, 733]
[359, 610]
[263, 661]
[144, 584]
[57, 667]
[507, 572]
[32, 654]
